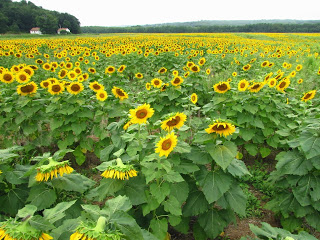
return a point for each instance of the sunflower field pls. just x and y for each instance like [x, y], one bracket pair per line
[137, 136]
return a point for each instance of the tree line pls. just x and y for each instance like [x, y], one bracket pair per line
[259, 27]
[20, 17]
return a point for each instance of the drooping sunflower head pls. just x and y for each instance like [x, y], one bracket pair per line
[166, 144]
[243, 85]
[173, 121]
[75, 88]
[156, 82]
[141, 114]
[256, 87]
[221, 87]
[120, 171]
[56, 88]
[27, 89]
[101, 95]
[221, 127]
[95, 86]
[119, 93]
[52, 169]
[308, 96]
[194, 98]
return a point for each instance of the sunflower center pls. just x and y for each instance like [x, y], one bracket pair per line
[223, 87]
[166, 144]
[7, 77]
[56, 88]
[176, 80]
[22, 77]
[156, 82]
[96, 86]
[256, 86]
[242, 85]
[141, 113]
[174, 121]
[120, 93]
[194, 68]
[193, 98]
[75, 87]
[101, 95]
[219, 127]
[27, 89]
[282, 85]
[110, 69]
[45, 84]
[307, 96]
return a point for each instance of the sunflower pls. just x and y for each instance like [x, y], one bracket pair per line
[272, 82]
[221, 87]
[243, 85]
[101, 95]
[162, 70]
[283, 84]
[110, 70]
[190, 64]
[265, 64]
[221, 128]
[141, 113]
[246, 67]
[156, 82]
[174, 121]
[202, 61]
[55, 88]
[72, 75]
[164, 87]
[177, 81]
[85, 76]
[194, 98]
[27, 89]
[195, 68]
[139, 75]
[300, 81]
[77, 70]
[75, 88]
[45, 83]
[22, 77]
[92, 70]
[28, 70]
[127, 125]
[121, 68]
[298, 67]
[309, 95]
[52, 169]
[7, 77]
[165, 146]
[256, 86]
[68, 65]
[46, 66]
[39, 61]
[148, 86]
[234, 74]
[119, 93]
[95, 86]
[119, 171]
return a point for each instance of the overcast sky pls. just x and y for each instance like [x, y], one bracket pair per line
[140, 12]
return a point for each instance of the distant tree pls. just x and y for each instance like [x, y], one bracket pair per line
[48, 23]
[3, 23]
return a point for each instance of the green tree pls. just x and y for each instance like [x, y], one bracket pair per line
[47, 23]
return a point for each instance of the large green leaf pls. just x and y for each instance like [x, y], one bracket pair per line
[302, 190]
[119, 203]
[41, 223]
[238, 168]
[293, 163]
[180, 191]
[222, 154]
[28, 210]
[73, 182]
[172, 206]
[159, 227]
[65, 230]
[310, 144]
[134, 189]
[212, 223]
[41, 196]
[13, 200]
[54, 214]
[160, 191]
[198, 156]
[107, 187]
[235, 199]
[195, 204]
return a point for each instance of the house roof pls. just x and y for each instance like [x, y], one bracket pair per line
[35, 29]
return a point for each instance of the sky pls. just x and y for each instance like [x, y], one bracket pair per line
[141, 12]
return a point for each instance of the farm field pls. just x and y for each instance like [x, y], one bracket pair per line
[160, 136]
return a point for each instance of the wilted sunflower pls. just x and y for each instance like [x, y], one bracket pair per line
[101, 95]
[272, 82]
[75, 88]
[162, 70]
[141, 113]
[27, 89]
[309, 95]
[22, 77]
[194, 98]
[256, 86]
[95, 86]
[221, 128]
[55, 88]
[119, 93]
[121, 68]
[119, 171]
[221, 87]
[7, 77]
[243, 85]
[139, 75]
[283, 84]
[165, 146]
[110, 70]
[11, 229]
[177, 81]
[156, 82]
[52, 169]
[173, 121]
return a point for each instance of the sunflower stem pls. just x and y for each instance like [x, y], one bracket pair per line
[139, 139]
[100, 224]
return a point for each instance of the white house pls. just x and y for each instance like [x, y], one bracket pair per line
[63, 29]
[35, 30]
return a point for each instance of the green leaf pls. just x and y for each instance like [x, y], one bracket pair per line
[41, 196]
[65, 230]
[186, 168]
[134, 189]
[174, 220]
[284, 132]
[133, 148]
[173, 176]
[247, 133]
[151, 204]
[198, 232]
[14, 200]
[302, 190]
[28, 210]
[79, 156]
[195, 204]
[160, 191]
[119, 203]
[41, 223]
[73, 182]
[238, 168]
[93, 210]
[202, 136]
[55, 123]
[107, 187]
[54, 214]
[198, 156]
[265, 152]
[313, 220]
[234, 198]
[16, 176]
[77, 128]
[291, 223]
[292, 163]
[182, 147]
[180, 191]
[310, 144]
[104, 153]
[172, 206]
[252, 149]
[159, 227]
[212, 223]
[222, 154]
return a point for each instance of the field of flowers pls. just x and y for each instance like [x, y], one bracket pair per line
[135, 136]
